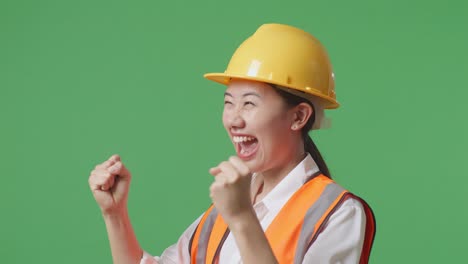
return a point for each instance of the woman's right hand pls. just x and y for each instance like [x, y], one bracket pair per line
[110, 182]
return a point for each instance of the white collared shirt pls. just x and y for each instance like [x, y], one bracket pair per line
[340, 242]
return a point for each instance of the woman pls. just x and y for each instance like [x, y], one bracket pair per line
[274, 202]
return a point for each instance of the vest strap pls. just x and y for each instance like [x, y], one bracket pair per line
[294, 229]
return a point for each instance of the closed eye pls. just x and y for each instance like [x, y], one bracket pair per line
[249, 103]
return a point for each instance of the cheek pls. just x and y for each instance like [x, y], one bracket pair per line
[276, 132]
[225, 118]
[275, 125]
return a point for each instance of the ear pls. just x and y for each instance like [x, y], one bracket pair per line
[302, 113]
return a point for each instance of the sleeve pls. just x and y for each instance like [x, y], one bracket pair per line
[343, 237]
[177, 253]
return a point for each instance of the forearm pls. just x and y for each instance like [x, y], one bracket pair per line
[123, 242]
[251, 240]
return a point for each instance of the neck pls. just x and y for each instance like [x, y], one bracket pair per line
[272, 177]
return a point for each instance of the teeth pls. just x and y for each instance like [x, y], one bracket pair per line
[238, 139]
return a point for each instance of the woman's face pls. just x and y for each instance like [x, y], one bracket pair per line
[259, 124]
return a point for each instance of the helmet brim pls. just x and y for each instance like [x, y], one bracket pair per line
[223, 78]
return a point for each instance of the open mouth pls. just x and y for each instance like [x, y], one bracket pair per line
[246, 146]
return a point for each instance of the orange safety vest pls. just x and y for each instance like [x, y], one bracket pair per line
[294, 229]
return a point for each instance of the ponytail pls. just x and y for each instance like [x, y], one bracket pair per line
[310, 147]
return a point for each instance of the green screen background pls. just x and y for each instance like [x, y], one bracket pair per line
[82, 80]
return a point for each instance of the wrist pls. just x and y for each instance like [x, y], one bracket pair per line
[115, 215]
[243, 221]
[115, 211]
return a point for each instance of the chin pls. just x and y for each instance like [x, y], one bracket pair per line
[255, 166]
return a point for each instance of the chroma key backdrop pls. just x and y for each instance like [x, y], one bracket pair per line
[82, 80]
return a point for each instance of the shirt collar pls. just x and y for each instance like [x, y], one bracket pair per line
[290, 184]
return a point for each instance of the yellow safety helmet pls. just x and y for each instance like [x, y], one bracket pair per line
[287, 57]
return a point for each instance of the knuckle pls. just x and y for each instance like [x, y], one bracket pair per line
[232, 181]
[106, 175]
[103, 174]
[234, 174]
[226, 166]
[236, 177]
[218, 179]
[111, 170]
[91, 177]
[117, 166]
[219, 184]
[244, 171]
[95, 180]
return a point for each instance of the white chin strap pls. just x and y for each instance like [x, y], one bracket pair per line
[321, 121]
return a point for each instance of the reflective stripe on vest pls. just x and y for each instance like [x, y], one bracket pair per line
[292, 231]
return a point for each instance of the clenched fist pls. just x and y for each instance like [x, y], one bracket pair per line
[230, 191]
[110, 182]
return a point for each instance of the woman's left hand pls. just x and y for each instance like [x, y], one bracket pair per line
[230, 191]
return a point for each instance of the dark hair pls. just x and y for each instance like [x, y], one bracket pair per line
[309, 145]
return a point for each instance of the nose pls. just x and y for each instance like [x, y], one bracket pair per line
[234, 120]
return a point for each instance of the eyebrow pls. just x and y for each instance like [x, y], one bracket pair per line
[244, 95]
